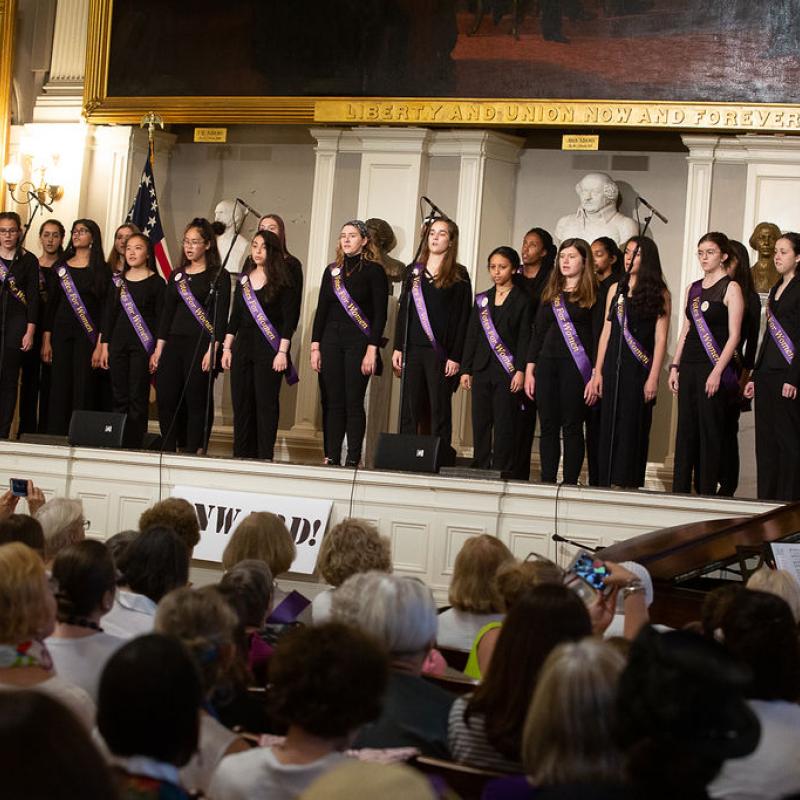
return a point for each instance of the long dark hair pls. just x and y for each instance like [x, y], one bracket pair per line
[281, 232]
[550, 246]
[508, 253]
[98, 267]
[612, 248]
[647, 297]
[741, 267]
[450, 272]
[275, 266]
[542, 618]
[213, 260]
[62, 231]
[151, 258]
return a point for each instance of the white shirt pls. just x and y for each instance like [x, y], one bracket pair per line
[321, 607]
[81, 661]
[214, 741]
[458, 629]
[772, 770]
[132, 615]
[258, 773]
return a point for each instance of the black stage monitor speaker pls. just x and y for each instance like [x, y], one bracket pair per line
[96, 429]
[408, 452]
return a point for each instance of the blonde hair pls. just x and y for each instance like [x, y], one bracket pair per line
[514, 578]
[352, 546]
[778, 582]
[585, 293]
[264, 537]
[568, 734]
[369, 251]
[473, 587]
[62, 523]
[24, 610]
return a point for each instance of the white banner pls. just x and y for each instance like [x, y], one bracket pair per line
[219, 513]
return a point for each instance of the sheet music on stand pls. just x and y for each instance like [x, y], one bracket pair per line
[787, 557]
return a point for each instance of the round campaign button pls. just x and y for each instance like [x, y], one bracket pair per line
[62, 272]
[336, 272]
[704, 305]
[484, 302]
[244, 279]
[178, 277]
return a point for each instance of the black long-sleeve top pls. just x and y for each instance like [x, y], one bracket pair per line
[366, 283]
[751, 324]
[547, 340]
[148, 294]
[294, 270]
[24, 269]
[59, 317]
[177, 320]
[279, 310]
[533, 287]
[448, 312]
[512, 320]
[787, 313]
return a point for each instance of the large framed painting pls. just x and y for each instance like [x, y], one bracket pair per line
[691, 64]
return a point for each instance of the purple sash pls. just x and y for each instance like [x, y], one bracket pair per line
[76, 303]
[422, 311]
[7, 278]
[499, 347]
[779, 336]
[265, 326]
[729, 379]
[197, 311]
[571, 338]
[348, 304]
[289, 609]
[134, 316]
[638, 352]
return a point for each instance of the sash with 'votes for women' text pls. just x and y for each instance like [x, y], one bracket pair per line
[196, 310]
[713, 351]
[263, 323]
[499, 347]
[8, 279]
[779, 336]
[422, 311]
[571, 338]
[352, 309]
[76, 303]
[638, 352]
[134, 315]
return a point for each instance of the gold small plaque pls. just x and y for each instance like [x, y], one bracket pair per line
[576, 141]
[212, 135]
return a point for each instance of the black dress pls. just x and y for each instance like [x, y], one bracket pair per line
[627, 464]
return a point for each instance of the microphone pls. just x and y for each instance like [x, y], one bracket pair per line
[35, 197]
[653, 209]
[251, 209]
[557, 537]
[435, 208]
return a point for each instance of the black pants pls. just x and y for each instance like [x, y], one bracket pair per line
[729, 460]
[179, 365]
[494, 417]
[130, 384]
[777, 438]
[342, 350]
[9, 379]
[593, 415]
[255, 388]
[32, 403]
[701, 426]
[425, 373]
[562, 411]
[72, 379]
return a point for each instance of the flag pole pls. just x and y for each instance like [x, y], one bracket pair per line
[150, 120]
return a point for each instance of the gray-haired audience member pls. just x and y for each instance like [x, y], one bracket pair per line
[62, 523]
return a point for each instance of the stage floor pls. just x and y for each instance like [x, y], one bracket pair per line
[427, 517]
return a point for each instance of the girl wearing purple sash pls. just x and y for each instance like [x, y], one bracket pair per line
[133, 310]
[185, 357]
[71, 340]
[775, 380]
[700, 374]
[492, 367]
[642, 320]
[345, 340]
[439, 309]
[258, 354]
[559, 369]
[116, 258]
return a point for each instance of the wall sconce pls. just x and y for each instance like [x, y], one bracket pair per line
[44, 189]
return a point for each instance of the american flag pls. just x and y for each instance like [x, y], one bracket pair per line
[144, 214]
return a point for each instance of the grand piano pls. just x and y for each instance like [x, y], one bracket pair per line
[682, 560]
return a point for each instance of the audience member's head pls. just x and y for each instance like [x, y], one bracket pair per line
[327, 680]
[514, 578]
[541, 619]
[62, 523]
[23, 528]
[399, 612]
[778, 582]
[759, 630]
[264, 537]
[209, 628]
[47, 753]
[568, 736]
[175, 513]
[354, 545]
[715, 607]
[149, 700]
[473, 587]
[154, 563]
[118, 543]
[85, 578]
[27, 605]
[681, 712]
[248, 586]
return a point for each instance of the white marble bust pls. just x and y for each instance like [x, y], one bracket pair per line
[597, 215]
[231, 215]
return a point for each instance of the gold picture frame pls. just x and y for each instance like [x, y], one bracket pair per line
[8, 14]
[99, 107]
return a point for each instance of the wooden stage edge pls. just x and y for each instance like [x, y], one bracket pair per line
[427, 517]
